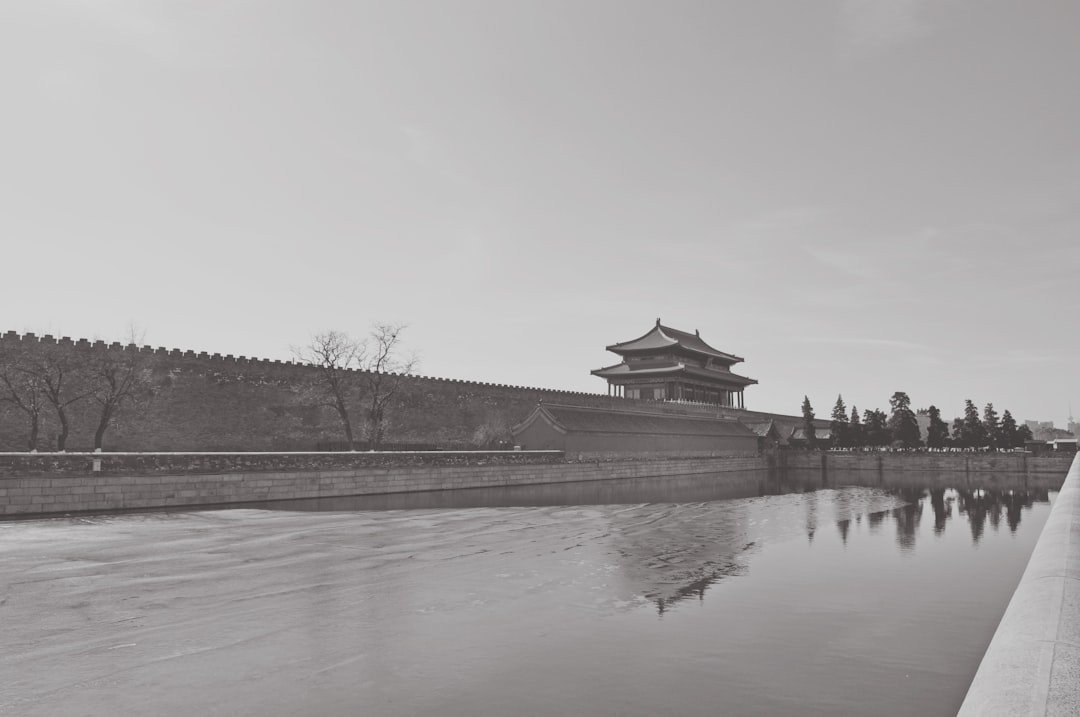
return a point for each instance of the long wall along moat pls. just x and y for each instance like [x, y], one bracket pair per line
[209, 402]
[197, 401]
[690, 422]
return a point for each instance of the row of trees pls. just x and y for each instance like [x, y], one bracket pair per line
[50, 378]
[365, 372]
[900, 427]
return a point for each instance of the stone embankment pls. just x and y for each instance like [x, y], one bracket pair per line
[34, 484]
[1032, 666]
[53, 484]
[982, 470]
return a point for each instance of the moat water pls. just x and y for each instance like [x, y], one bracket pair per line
[726, 595]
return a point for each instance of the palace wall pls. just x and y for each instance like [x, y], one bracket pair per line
[210, 402]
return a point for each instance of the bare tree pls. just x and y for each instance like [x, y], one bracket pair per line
[21, 386]
[119, 377]
[383, 370]
[335, 355]
[64, 382]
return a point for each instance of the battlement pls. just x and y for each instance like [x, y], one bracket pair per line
[29, 340]
[210, 401]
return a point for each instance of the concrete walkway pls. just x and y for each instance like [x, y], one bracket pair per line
[1032, 666]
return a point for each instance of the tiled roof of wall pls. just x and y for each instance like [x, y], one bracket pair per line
[599, 420]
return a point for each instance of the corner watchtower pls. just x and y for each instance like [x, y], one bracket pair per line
[667, 364]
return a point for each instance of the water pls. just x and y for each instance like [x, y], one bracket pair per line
[731, 596]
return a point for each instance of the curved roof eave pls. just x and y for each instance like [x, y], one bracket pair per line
[665, 341]
[538, 413]
[676, 370]
[666, 337]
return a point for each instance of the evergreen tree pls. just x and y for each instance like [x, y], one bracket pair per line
[1023, 435]
[855, 430]
[1008, 436]
[808, 423]
[876, 428]
[958, 432]
[937, 435]
[972, 432]
[991, 426]
[839, 425]
[881, 419]
[902, 424]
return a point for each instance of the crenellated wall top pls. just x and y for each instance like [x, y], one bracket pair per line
[30, 338]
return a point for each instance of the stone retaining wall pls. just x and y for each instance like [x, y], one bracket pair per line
[51, 492]
[1032, 666]
[835, 463]
[85, 464]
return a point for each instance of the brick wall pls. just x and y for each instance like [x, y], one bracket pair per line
[209, 402]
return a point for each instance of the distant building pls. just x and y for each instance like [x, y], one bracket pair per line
[667, 364]
[1067, 445]
[1045, 431]
[770, 433]
[923, 419]
[799, 438]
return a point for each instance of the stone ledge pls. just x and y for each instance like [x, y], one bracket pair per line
[1032, 666]
[77, 493]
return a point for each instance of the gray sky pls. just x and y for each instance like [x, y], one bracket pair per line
[857, 196]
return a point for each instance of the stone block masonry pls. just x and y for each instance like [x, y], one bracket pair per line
[39, 485]
[980, 469]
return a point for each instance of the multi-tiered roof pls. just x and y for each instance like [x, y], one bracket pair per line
[673, 365]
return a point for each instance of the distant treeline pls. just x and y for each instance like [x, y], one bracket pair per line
[900, 427]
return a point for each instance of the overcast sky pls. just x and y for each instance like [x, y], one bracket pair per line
[857, 196]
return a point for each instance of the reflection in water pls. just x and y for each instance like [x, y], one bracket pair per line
[680, 536]
[811, 515]
[942, 509]
[682, 489]
[907, 517]
[667, 553]
[685, 550]
[979, 506]
[844, 527]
